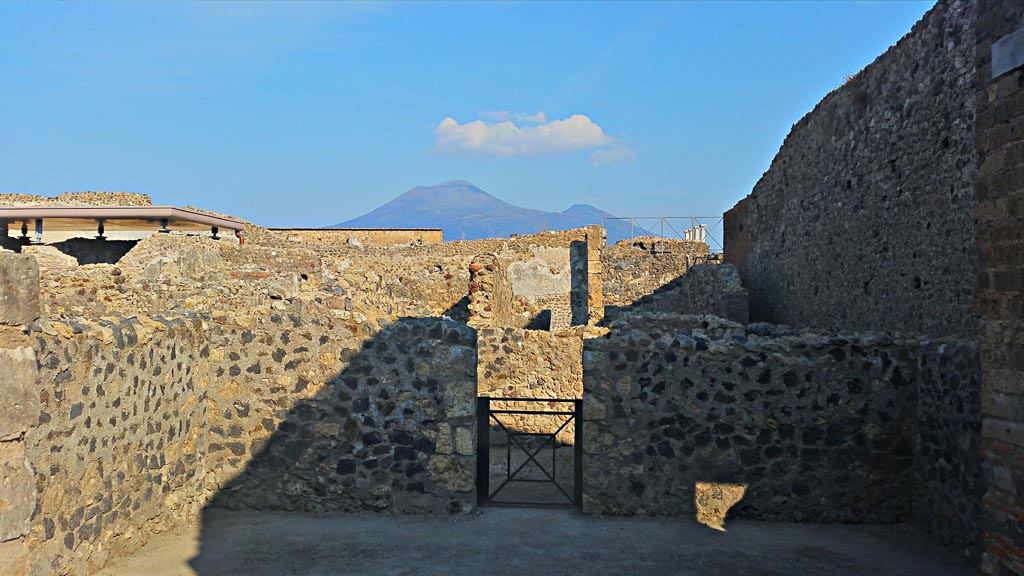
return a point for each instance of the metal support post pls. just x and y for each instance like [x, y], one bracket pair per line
[483, 449]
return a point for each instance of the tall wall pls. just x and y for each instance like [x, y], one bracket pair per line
[865, 219]
[820, 427]
[1000, 290]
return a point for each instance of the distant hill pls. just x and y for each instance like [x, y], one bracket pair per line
[466, 212]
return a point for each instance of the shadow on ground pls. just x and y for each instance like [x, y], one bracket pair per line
[392, 432]
[536, 542]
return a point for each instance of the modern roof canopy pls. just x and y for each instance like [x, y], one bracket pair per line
[120, 218]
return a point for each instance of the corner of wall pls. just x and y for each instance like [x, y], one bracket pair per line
[19, 410]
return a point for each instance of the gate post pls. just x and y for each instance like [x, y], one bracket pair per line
[483, 449]
[577, 453]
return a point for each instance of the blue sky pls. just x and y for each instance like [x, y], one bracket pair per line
[308, 114]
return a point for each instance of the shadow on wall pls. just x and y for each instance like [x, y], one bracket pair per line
[579, 290]
[85, 250]
[459, 311]
[540, 321]
[714, 289]
[95, 250]
[394, 431]
[13, 243]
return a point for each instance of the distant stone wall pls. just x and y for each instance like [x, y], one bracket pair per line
[165, 273]
[736, 237]
[819, 427]
[364, 236]
[630, 272]
[705, 289]
[1000, 290]
[433, 279]
[78, 199]
[865, 219]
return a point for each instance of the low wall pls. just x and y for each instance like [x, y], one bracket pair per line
[393, 431]
[118, 429]
[949, 481]
[819, 427]
[119, 448]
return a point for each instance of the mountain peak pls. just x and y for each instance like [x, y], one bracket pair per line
[466, 212]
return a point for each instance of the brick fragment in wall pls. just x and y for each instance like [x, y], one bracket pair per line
[19, 289]
[17, 485]
[19, 409]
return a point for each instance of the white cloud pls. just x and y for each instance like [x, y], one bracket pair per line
[614, 155]
[501, 115]
[505, 138]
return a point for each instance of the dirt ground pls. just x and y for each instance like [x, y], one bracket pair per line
[532, 542]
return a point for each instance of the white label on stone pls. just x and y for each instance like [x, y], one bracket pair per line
[1008, 53]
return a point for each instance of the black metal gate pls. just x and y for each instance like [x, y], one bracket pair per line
[522, 457]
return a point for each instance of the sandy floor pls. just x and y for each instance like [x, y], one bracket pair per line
[500, 541]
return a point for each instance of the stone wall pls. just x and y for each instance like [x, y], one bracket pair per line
[120, 443]
[393, 431]
[364, 236]
[820, 427]
[865, 219]
[78, 199]
[596, 236]
[630, 272]
[119, 428]
[713, 289]
[736, 237]
[433, 279]
[519, 363]
[949, 480]
[183, 274]
[1000, 289]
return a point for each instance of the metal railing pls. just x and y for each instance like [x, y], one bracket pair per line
[694, 228]
[516, 471]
